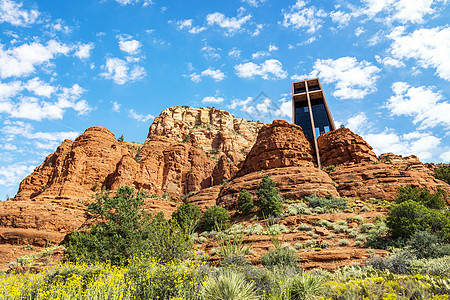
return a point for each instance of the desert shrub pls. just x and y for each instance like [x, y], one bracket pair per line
[215, 217]
[366, 227]
[238, 260]
[269, 200]
[329, 204]
[297, 209]
[425, 244]
[437, 266]
[245, 202]
[305, 227]
[124, 229]
[339, 228]
[343, 242]
[303, 287]
[406, 218]
[187, 216]
[154, 280]
[228, 285]
[281, 256]
[443, 173]
[420, 195]
[397, 263]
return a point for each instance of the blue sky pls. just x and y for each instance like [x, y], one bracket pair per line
[68, 65]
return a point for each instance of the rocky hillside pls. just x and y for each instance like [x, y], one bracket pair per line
[199, 155]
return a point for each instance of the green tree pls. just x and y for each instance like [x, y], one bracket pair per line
[215, 217]
[245, 202]
[269, 200]
[120, 139]
[187, 217]
[443, 173]
[420, 195]
[122, 229]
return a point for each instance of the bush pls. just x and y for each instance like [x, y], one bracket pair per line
[280, 256]
[187, 216]
[425, 244]
[305, 287]
[398, 263]
[215, 218]
[420, 195]
[269, 200]
[329, 204]
[406, 218]
[228, 285]
[443, 173]
[124, 230]
[245, 202]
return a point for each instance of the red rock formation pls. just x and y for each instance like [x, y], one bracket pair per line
[279, 144]
[343, 146]
[381, 180]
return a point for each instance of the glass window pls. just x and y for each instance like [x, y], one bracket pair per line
[306, 109]
[326, 128]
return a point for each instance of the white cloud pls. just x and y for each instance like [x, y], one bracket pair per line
[285, 110]
[430, 47]
[128, 45]
[217, 75]
[126, 2]
[340, 17]
[9, 147]
[33, 108]
[445, 157]
[12, 12]
[13, 174]
[235, 103]
[302, 16]
[40, 88]
[116, 106]
[138, 117]
[425, 106]
[212, 99]
[260, 54]
[230, 24]
[19, 128]
[9, 89]
[234, 53]
[23, 60]
[271, 68]
[360, 30]
[273, 48]
[389, 62]
[83, 51]
[254, 3]
[210, 52]
[424, 145]
[187, 24]
[358, 123]
[402, 11]
[353, 79]
[119, 71]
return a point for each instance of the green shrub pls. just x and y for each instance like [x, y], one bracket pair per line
[438, 266]
[245, 202]
[187, 216]
[397, 263]
[406, 218]
[124, 230]
[269, 200]
[280, 256]
[215, 217]
[304, 227]
[329, 204]
[443, 173]
[343, 242]
[228, 285]
[305, 287]
[425, 244]
[420, 195]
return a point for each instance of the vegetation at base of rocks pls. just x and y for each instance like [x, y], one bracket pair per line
[269, 199]
[443, 173]
[215, 218]
[187, 216]
[124, 229]
[138, 156]
[149, 279]
[245, 202]
[120, 139]
[422, 196]
[329, 204]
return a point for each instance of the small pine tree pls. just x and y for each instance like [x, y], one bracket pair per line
[443, 173]
[269, 200]
[120, 139]
[245, 202]
[187, 217]
[138, 156]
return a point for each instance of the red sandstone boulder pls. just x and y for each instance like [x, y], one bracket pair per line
[343, 146]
